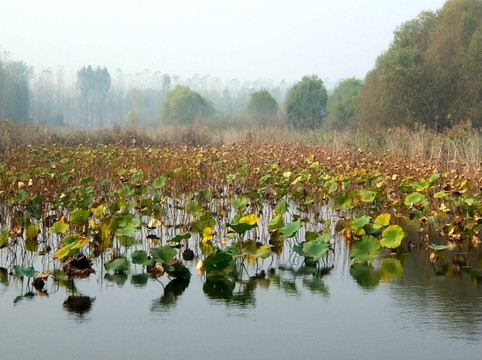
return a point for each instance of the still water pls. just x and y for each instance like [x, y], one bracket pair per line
[284, 314]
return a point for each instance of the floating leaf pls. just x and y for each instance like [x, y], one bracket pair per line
[392, 236]
[159, 182]
[118, 265]
[126, 231]
[23, 271]
[365, 250]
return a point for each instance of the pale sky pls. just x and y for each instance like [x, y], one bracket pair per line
[247, 40]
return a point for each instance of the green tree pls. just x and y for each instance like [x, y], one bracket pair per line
[305, 103]
[431, 74]
[181, 105]
[262, 107]
[94, 85]
[341, 106]
[14, 90]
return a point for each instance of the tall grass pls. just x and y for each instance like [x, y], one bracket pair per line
[457, 148]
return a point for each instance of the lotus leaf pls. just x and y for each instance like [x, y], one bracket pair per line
[344, 202]
[251, 219]
[159, 182]
[438, 247]
[276, 223]
[218, 264]
[179, 271]
[291, 229]
[239, 203]
[79, 216]
[118, 265]
[128, 230]
[367, 196]
[180, 237]
[140, 257]
[317, 248]
[59, 227]
[360, 222]
[365, 250]
[3, 237]
[250, 248]
[23, 271]
[163, 253]
[99, 210]
[392, 236]
[415, 199]
[280, 208]
[440, 195]
[381, 221]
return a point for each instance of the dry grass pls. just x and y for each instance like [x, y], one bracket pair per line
[458, 148]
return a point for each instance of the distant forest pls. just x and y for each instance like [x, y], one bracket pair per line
[430, 76]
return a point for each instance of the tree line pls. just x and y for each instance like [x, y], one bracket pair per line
[431, 76]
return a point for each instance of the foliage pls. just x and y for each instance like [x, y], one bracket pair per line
[94, 84]
[262, 107]
[182, 105]
[305, 103]
[341, 105]
[431, 74]
[14, 90]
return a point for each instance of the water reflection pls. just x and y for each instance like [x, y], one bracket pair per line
[172, 291]
[78, 305]
[226, 290]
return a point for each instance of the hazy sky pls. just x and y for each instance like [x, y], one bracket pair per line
[248, 40]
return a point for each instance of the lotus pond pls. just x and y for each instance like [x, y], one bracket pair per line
[236, 252]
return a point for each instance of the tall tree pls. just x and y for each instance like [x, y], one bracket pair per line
[94, 84]
[14, 90]
[341, 106]
[432, 72]
[305, 103]
[262, 107]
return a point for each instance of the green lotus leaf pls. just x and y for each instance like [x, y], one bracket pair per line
[421, 185]
[159, 182]
[280, 208]
[276, 223]
[440, 195]
[291, 229]
[392, 236]
[218, 264]
[239, 203]
[23, 271]
[391, 268]
[128, 230]
[179, 271]
[79, 216]
[360, 222]
[180, 237]
[250, 249]
[365, 250]
[381, 221]
[438, 247]
[20, 196]
[367, 195]
[241, 228]
[3, 237]
[433, 178]
[59, 227]
[31, 232]
[99, 210]
[163, 253]
[365, 275]
[118, 265]
[415, 198]
[316, 248]
[140, 257]
[344, 202]
[126, 241]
